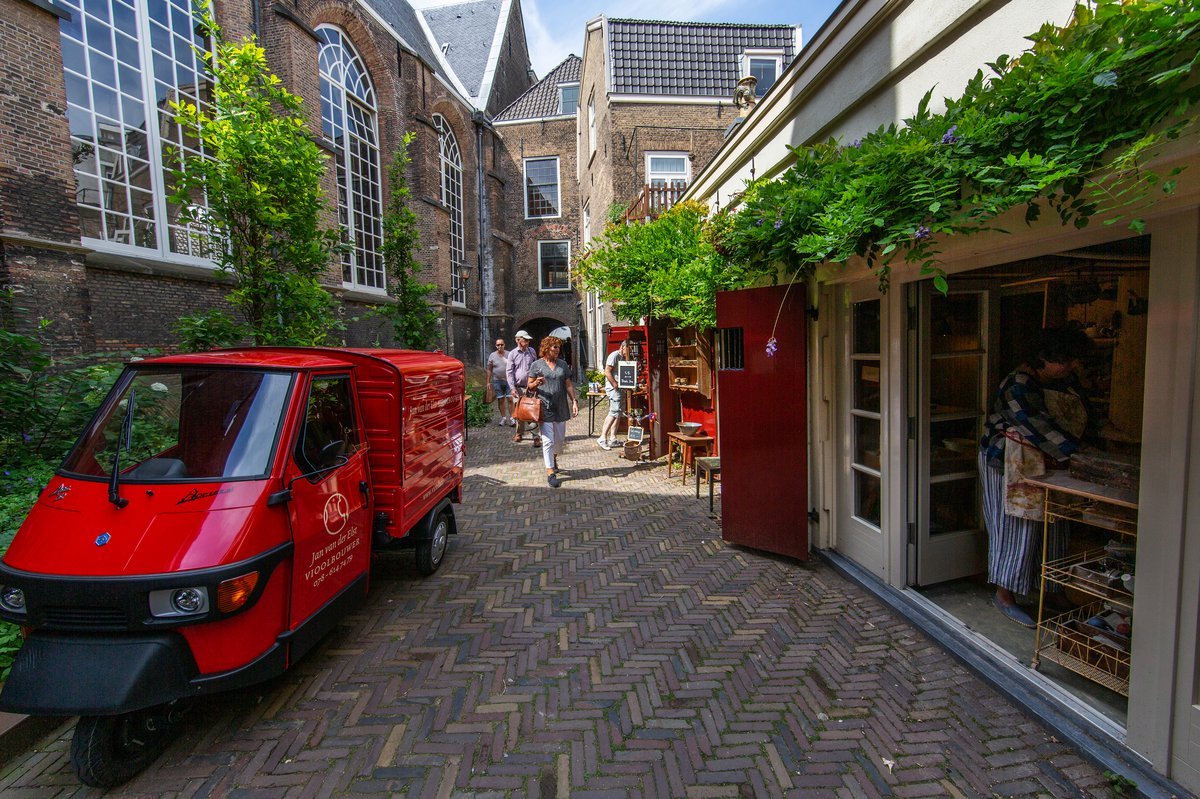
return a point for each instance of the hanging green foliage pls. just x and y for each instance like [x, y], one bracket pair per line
[1066, 126]
[666, 268]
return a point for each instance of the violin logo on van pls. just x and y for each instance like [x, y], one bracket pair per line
[337, 513]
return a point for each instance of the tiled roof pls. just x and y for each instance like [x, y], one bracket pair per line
[403, 19]
[689, 59]
[465, 32]
[541, 100]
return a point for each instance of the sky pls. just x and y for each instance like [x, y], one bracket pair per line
[555, 27]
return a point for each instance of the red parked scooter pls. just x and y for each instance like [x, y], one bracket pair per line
[212, 524]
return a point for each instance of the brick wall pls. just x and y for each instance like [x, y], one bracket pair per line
[536, 140]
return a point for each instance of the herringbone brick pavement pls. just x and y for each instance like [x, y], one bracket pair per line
[600, 640]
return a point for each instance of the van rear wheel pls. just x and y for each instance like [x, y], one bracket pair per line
[432, 550]
[109, 750]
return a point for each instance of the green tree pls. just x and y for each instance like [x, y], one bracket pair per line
[260, 178]
[414, 321]
[666, 268]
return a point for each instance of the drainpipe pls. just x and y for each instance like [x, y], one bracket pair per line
[484, 261]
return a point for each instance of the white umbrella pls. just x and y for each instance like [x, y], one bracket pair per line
[563, 332]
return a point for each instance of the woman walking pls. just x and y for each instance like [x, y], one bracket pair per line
[549, 376]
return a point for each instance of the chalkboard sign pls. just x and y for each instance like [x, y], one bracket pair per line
[634, 434]
[627, 375]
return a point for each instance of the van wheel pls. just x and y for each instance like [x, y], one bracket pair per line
[432, 550]
[110, 750]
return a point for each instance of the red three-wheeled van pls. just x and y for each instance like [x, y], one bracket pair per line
[213, 522]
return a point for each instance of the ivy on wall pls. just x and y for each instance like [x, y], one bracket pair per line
[1064, 127]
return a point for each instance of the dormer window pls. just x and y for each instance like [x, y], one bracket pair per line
[568, 98]
[765, 65]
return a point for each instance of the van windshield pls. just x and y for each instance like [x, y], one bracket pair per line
[186, 424]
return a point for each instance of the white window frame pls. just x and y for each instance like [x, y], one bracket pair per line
[450, 173]
[106, 168]
[591, 122]
[541, 269]
[687, 160]
[557, 186]
[362, 267]
[568, 85]
[775, 55]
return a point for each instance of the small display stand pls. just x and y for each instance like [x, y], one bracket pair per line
[1100, 655]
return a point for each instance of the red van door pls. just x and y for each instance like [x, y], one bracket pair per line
[329, 509]
[763, 419]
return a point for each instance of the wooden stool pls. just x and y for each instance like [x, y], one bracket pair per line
[711, 468]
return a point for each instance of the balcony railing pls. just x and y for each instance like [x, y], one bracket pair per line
[651, 202]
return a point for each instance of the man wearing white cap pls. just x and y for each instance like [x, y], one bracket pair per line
[519, 361]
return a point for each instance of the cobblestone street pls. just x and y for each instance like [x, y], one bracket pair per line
[600, 640]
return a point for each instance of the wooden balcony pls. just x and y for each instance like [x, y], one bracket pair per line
[651, 202]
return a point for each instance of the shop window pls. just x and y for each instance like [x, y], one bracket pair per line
[348, 121]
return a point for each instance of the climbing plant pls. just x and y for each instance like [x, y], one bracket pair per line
[1066, 126]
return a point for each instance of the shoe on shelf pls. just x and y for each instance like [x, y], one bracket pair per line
[552, 479]
[1014, 612]
[603, 444]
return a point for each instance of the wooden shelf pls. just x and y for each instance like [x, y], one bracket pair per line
[689, 361]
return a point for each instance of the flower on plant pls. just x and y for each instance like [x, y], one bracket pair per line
[922, 232]
[159, 387]
[772, 347]
[26, 437]
[857, 144]
[758, 223]
[778, 224]
[948, 137]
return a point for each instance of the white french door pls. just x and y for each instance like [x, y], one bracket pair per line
[950, 381]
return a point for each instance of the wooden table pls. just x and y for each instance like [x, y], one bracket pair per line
[593, 398]
[687, 446]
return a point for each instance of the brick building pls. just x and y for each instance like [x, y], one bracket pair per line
[542, 205]
[504, 200]
[88, 240]
[655, 105]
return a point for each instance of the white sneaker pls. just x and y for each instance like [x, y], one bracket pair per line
[603, 444]
[501, 423]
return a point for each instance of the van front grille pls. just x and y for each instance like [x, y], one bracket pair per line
[84, 618]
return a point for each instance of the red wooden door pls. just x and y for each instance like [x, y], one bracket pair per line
[762, 418]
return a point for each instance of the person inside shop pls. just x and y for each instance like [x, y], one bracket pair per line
[1040, 415]
[550, 376]
[516, 374]
[616, 398]
[496, 375]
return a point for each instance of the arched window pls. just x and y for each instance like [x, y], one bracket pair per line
[122, 63]
[348, 122]
[451, 166]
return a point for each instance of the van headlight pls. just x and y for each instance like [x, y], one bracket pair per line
[175, 602]
[12, 599]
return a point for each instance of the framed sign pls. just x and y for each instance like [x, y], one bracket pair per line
[634, 434]
[627, 375]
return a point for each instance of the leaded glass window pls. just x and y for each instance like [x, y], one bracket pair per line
[450, 160]
[123, 61]
[348, 120]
